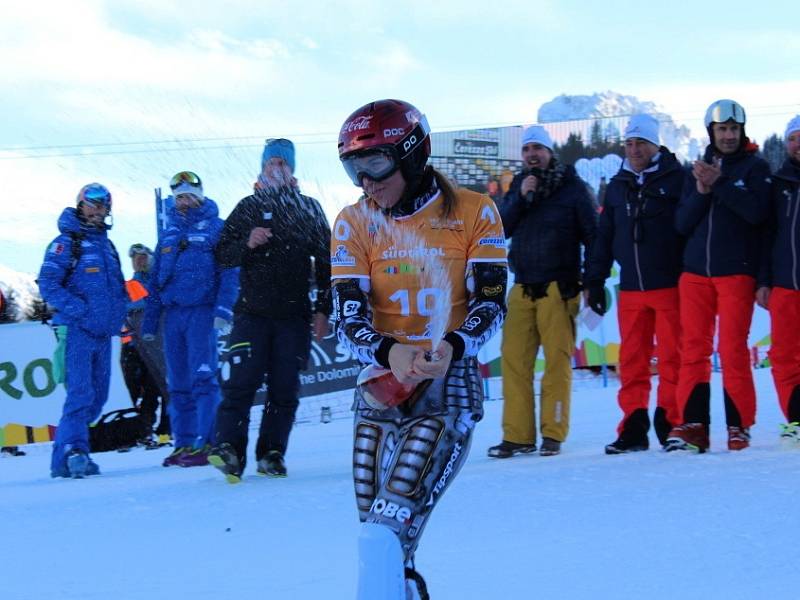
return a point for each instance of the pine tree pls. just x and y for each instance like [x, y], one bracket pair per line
[597, 142]
[572, 150]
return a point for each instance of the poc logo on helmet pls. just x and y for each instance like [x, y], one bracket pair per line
[392, 132]
[390, 510]
[409, 143]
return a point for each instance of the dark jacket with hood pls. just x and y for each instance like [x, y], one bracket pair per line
[781, 258]
[546, 235]
[275, 278]
[723, 228]
[637, 227]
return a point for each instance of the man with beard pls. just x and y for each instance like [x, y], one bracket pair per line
[721, 212]
[548, 214]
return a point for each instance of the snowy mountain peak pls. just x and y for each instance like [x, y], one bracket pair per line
[598, 105]
[615, 108]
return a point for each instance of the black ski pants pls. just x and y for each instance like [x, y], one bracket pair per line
[140, 384]
[258, 347]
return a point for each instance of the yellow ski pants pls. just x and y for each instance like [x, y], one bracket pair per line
[549, 322]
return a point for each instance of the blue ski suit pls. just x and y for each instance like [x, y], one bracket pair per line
[189, 287]
[82, 280]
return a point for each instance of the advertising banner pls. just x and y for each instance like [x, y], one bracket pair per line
[31, 402]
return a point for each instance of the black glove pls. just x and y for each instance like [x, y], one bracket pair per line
[597, 297]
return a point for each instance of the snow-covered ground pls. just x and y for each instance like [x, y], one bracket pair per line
[580, 525]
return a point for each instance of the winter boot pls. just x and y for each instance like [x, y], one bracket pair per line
[661, 426]
[689, 436]
[225, 458]
[172, 459]
[92, 468]
[633, 437]
[380, 564]
[625, 444]
[550, 447]
[77, 464]
[507, 449]
[197, 457]
[272, 465]
[738, 438]
[790, 435]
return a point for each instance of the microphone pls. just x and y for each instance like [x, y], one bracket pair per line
[529, 196]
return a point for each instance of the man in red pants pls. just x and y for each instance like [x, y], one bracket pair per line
[781, 273]
[721, 213]
[637, 230]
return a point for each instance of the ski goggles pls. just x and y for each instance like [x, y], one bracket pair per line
[138, 249]
[725, 110]
[95, 193]
[185, 177]
[375, 164]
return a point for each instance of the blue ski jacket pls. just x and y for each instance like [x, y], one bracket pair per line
[781, 259]
[637, 228]
[82, 280]
[723, 228]
[185, 271]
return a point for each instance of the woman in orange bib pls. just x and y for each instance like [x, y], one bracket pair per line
[419, 284]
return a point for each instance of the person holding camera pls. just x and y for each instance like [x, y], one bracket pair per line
[637, 229]
[272, 235]
[548, 214]
[196, 295]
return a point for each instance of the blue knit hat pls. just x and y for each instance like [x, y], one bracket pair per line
[791, 127]
[278, 148]
[643, 127]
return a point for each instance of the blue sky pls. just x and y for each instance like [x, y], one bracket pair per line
[120, 88]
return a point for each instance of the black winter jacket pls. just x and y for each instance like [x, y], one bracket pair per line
[724, 227]
[546, 236]
[782, 240]
[275, 277]
[637, 228]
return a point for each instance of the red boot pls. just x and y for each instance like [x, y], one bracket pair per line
[738, 438]
[689, 436]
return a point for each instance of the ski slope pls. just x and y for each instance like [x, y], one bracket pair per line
[580, 525]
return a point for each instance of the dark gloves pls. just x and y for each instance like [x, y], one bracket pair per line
[597, 297]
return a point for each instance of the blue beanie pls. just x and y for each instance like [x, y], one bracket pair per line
[278, 148]
[791, 127]
[644, 127]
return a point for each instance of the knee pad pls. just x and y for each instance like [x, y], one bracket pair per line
[365, 464]
[414, 456]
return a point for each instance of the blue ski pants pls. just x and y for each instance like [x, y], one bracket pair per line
[190, 349]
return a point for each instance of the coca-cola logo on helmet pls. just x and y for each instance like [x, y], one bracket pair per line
[357, 124]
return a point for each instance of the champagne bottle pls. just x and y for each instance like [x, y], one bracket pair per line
[381, 389]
